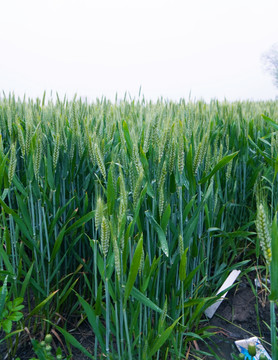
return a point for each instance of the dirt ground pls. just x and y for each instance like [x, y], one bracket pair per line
[240, 316]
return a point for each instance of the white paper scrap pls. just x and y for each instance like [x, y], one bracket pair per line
[259, 284]
[242, 346]
[227, 283]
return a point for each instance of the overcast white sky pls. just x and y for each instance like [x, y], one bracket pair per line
[209, 48]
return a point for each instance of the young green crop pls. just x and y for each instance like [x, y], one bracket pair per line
[140, 208]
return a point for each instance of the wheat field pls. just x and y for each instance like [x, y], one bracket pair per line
[130, 215]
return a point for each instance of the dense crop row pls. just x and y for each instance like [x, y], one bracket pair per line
[131, 214]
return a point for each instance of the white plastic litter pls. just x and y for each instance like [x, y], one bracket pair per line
[242, 346]
[227, 283]
[258, 282]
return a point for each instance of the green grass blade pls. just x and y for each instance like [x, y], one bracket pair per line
[42, 304]
[3, 296]
[58, 243]
[218, 166]
[11, 334]
[138, 295]
[19, 186]
[69, 338]
[270, 121]
[274, 262]
[111, 196]
[165, 218]
[160, 233]
[23, 228]
[182, 269]
[160, 339]
[127, 138]
[81, 221]
[25, 212]
[26, 281]
[57, 216]
[6, 260]
[92, 320]
[134, 267]
[2, 169]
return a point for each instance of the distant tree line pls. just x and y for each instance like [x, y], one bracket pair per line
[270, 62]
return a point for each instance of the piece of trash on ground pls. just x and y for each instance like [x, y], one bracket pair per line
[259, 283]
[227, 283]
[242, 346]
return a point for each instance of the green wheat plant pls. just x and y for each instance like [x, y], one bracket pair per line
[129, 214]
